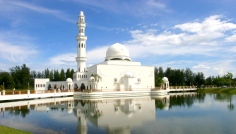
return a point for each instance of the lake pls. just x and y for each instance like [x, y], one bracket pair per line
[180, 114]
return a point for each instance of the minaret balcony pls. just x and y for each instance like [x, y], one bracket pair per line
[81, 38]
[81, 24]
[81, 59]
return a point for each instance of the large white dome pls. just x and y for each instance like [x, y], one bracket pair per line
[117, 52]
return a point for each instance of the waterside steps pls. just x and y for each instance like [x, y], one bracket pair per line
[11, 95]
[32, 94]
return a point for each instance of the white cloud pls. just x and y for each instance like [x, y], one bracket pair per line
[189, 41]
[15, 47]
[15, 53]
[67, 60]
[218, 67]
[140, 8]
[231, 38]
[192, 38]
[202, 66]
[97, 55]
[11, 7]
[212, 27]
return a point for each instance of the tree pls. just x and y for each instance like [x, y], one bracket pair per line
[68, 73]
[72, 73]
[97, 78]
[161, 72]
[189, 77]
[7, 79]
[47, 73]
[209, 80]
[33, 75]
[229, 76]
[39, 74]
[200, 78]
[158, 79]
[56, 75]
[51, 76]
[21, 76]
[62, 75]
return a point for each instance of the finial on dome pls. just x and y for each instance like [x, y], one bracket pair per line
[81, 13]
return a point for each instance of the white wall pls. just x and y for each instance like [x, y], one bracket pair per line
[40, 84]
[111, 72]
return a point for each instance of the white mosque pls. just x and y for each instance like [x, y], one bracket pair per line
[116, 73]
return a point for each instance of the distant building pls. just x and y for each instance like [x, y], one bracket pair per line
[116, 73]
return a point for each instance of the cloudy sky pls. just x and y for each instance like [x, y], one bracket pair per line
[196, 34]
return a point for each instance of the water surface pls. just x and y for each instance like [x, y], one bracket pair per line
[183, 114]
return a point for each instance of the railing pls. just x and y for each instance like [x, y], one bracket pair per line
[15, 92]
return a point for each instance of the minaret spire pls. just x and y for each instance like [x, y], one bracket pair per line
[81, 44]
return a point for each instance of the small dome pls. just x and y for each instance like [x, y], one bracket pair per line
[117, 52]
[165, 79]
[81, 13]
[69, 80]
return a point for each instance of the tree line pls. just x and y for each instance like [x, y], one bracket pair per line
[20, 77]
[186, 77]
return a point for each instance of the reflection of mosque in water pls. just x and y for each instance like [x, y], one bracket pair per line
[116, 115]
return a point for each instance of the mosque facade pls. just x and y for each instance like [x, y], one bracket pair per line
[116, 73]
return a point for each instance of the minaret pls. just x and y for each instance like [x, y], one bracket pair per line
[81, 44]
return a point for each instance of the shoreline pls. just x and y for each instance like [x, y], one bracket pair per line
[218, 90]
[10, 130]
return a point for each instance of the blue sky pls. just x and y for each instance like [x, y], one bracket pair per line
[196, 34]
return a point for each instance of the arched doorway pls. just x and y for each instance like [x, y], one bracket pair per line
[75, 86]
[49, 87]
[82, 86]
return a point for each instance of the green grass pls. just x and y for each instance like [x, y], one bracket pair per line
[218, 90]
[8, 130]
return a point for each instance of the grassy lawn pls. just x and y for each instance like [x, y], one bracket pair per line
[218, 90]
[8, 130]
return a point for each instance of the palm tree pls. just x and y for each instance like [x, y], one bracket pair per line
[97, 78]
[230, 76]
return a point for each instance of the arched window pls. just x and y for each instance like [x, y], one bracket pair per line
[116, 59]
[79, 45]
[82, 45]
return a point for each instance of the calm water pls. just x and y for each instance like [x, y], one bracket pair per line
[196, 113]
